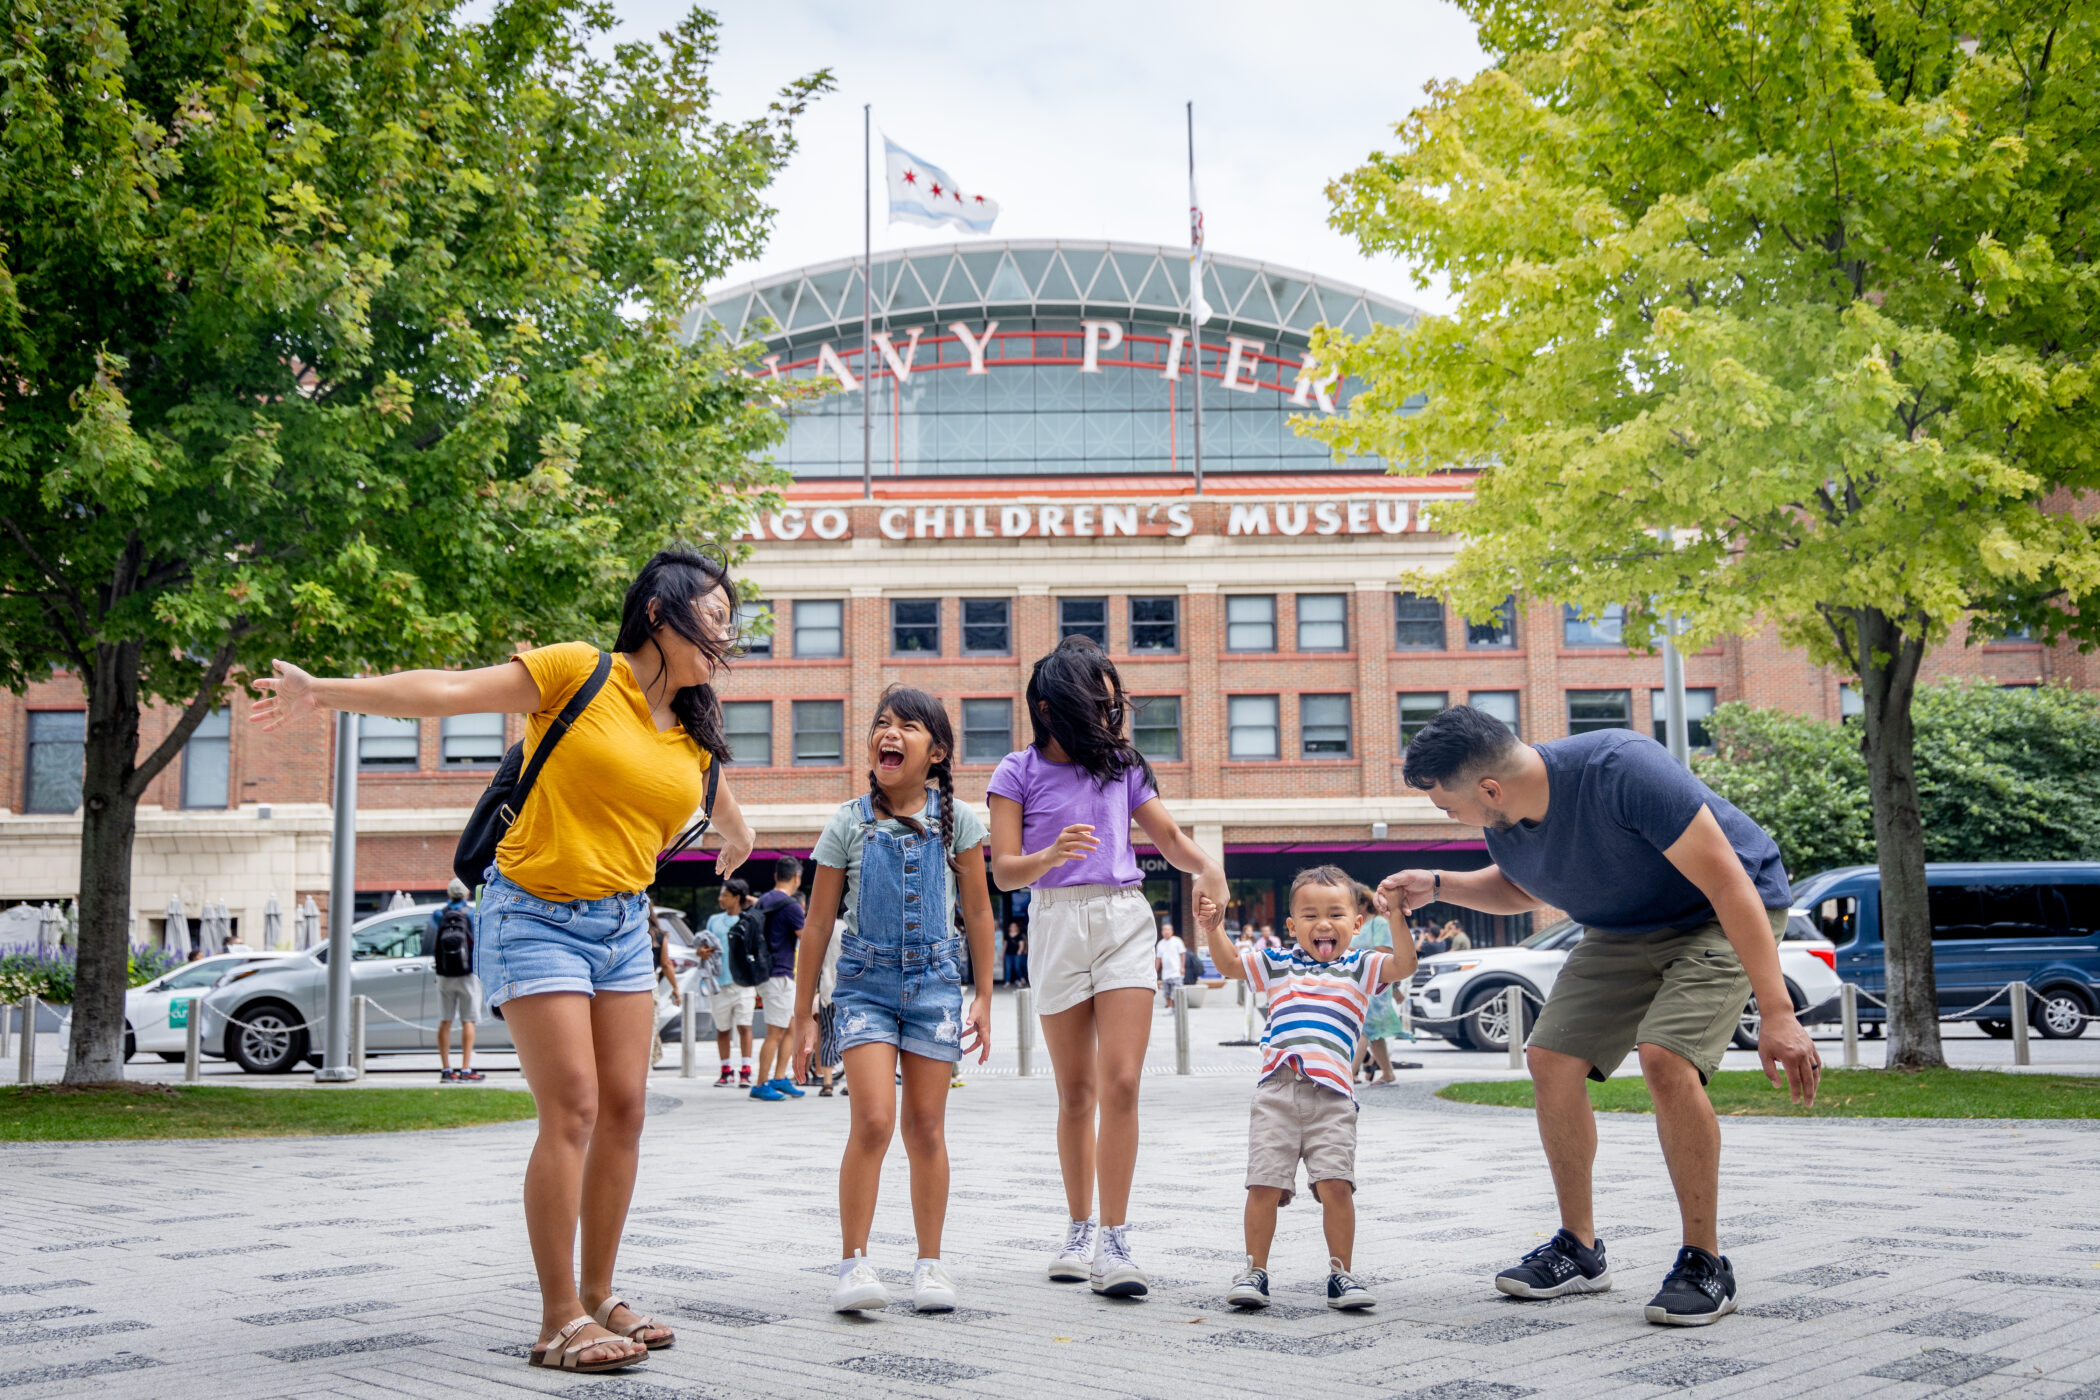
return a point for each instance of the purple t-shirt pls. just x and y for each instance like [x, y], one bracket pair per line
[1054, 796]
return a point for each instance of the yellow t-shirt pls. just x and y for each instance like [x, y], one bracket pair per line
[615, 792]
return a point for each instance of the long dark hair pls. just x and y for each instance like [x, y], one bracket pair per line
[1070, 682]
[902, 703]
[676, 580]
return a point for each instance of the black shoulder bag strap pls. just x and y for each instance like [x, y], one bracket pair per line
[578, 703]
[707, 813]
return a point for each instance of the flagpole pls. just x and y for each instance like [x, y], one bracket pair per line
[867, 297]
[1195, 299]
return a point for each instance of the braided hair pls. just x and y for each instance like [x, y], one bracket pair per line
[904, 703]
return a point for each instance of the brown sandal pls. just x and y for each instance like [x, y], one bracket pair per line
[556, 1354]
[603, 1317]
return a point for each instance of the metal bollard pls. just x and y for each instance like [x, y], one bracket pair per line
[193, 1043]
[687, 1023]
[357, 1036]
[2018, 994]
[1024, 1029]
[1181, 1028]
[1848, 1008]
[7, 1031]
[1514, 1002]
[25, 1070]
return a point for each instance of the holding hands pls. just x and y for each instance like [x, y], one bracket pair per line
[1405, 891]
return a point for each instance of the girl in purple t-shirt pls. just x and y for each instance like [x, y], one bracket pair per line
[1061, 815]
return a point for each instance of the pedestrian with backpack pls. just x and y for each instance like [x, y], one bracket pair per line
[780, 915]
[459, 990]
[621, 749]
[730, 1001]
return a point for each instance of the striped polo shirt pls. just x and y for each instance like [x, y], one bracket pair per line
[1316, 1011]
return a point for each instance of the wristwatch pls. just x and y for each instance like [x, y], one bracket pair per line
[1436, 885]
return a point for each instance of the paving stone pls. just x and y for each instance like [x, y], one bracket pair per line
[48, 1335]
[41, 1314]
[1687, 1371]
[1831, 1275]
[12, 1289]
[1890, 1242]
[280, 1319]
[682, 1273]
[1499, 1331]
[315, 1351]
[1959, 1325]
[226, 1249]
[1939, 1366]
[723, 1314]
[338, 1271]
[626, 1388]
[1289, 1344]
[75, 1371]
[2039, 1280]
[1469, 1390]
[1804, 1308]
[1958, 1233]
[919, 1370]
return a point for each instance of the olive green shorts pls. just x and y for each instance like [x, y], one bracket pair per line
[1681, 989]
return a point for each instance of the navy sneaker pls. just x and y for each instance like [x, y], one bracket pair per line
[1699, 1291]
[1557, 1268]
[1250, 1287]
[1344, 1292]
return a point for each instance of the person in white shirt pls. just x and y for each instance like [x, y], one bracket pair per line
[1170, 956]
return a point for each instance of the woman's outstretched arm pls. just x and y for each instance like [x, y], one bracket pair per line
[291, 692]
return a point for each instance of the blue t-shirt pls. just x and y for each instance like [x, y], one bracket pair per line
[783, 915]
[1618, 802]
[714, 967]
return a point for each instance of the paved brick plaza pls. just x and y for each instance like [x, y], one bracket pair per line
[1876, 1259]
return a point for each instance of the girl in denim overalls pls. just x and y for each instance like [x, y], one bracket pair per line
[880, 947]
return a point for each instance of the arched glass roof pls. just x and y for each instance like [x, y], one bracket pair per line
[1042, 279]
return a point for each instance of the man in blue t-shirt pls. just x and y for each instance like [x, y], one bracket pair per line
[1682, 899]
[783, 915]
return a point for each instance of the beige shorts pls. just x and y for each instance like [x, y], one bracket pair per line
[1087, 939]
[777, 995]
[459, 999]
[730, 1006]
[1295, 1120]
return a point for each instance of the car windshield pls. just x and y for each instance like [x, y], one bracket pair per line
[197, 974]
[1548, 936]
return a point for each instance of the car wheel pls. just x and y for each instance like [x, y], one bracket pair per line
[173, 1057]
[1997, 1030]
[131, 1043]
[2059, 1014]
[1485, 1022]
[268, 1040]
[1746, 1027]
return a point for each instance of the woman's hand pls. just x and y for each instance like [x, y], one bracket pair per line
[977, 1027]
[287, 694]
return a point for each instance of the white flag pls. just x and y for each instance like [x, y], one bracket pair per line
[922, 193]
[1201, 308]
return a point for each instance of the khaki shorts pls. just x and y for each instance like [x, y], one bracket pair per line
[730, 1006]
[1087, 939]
[1295, 1120]
[459, 999]
[777, 995]
[1681, 989]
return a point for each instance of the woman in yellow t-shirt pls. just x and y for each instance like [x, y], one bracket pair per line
[562, 938]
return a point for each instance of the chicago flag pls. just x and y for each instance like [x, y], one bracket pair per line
[922, 193]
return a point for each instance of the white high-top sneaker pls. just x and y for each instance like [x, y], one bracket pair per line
[1115, 1274]
[1076, 1258]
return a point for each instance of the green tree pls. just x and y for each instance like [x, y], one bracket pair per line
[2003, 774]
[346, 331]
[1763, 311]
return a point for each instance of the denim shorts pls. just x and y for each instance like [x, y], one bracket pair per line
[910, 998]
[528, 945]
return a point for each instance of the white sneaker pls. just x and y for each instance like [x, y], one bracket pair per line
[860, 1289]
[1115, 1274]
[1076, 1258]
[932, 1290]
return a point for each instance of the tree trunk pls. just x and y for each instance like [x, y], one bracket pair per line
[109, 820]
[1888, 673]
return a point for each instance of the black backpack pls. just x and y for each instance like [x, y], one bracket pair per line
[455, 942]
[750, 954]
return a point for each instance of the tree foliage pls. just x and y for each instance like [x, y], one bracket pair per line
[2003, 774]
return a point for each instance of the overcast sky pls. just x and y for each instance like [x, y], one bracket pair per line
[1070, 114]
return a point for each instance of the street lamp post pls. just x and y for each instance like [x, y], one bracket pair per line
[342, 898]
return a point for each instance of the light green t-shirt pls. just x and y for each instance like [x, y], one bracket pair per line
[840, 847]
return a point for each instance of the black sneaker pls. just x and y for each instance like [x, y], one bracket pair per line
[1345, 1293]
[1700, 1290]
[1557, 1268]
[1250, 1287]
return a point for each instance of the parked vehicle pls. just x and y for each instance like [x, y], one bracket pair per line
[1993, 922]
[1462, 996]
[157, 1013]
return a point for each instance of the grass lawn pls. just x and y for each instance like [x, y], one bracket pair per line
[1844, 1093]
[55, 1113]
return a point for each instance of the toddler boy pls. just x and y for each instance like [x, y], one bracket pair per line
[1319, 991]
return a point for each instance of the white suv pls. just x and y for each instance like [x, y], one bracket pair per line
[1461, 996]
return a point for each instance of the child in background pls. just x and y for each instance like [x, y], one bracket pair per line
[1061, 815]
[880, 945]
[1305, 1103]
[729, 1003]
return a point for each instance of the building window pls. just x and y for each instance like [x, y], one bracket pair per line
[1417, 710]
[988, 730]
[1499, 631]
[1698, 709]
[915, 626]
[389, 745]
[1607, 629]
[1323, 726]
[987, 625]
[820, 731]
[204, 762]
[470, 741]
[1502, 704]
[1251, 720]
[1156, 727]
[754, 628]
[1250, 622]
[820, 628]
[1083, 617]
[1323, 622]
[1155, 624]
[1599, 709]
[1851, 704]
[748, 726]
[57, 758]
[1418, 623]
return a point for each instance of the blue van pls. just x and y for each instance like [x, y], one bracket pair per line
[1993, 922]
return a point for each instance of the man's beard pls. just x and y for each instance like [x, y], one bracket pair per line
[1499, 821]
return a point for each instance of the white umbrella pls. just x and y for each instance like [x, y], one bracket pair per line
[309, 923]
[400, 901]
[208, 936]
[46, 927]
[70, 936]
[177, 940]
[273, 923]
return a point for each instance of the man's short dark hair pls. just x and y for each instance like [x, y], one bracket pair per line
[1457, 744]
[738, 886]
[786, 868]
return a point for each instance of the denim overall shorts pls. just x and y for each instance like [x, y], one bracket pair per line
[900, 969]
